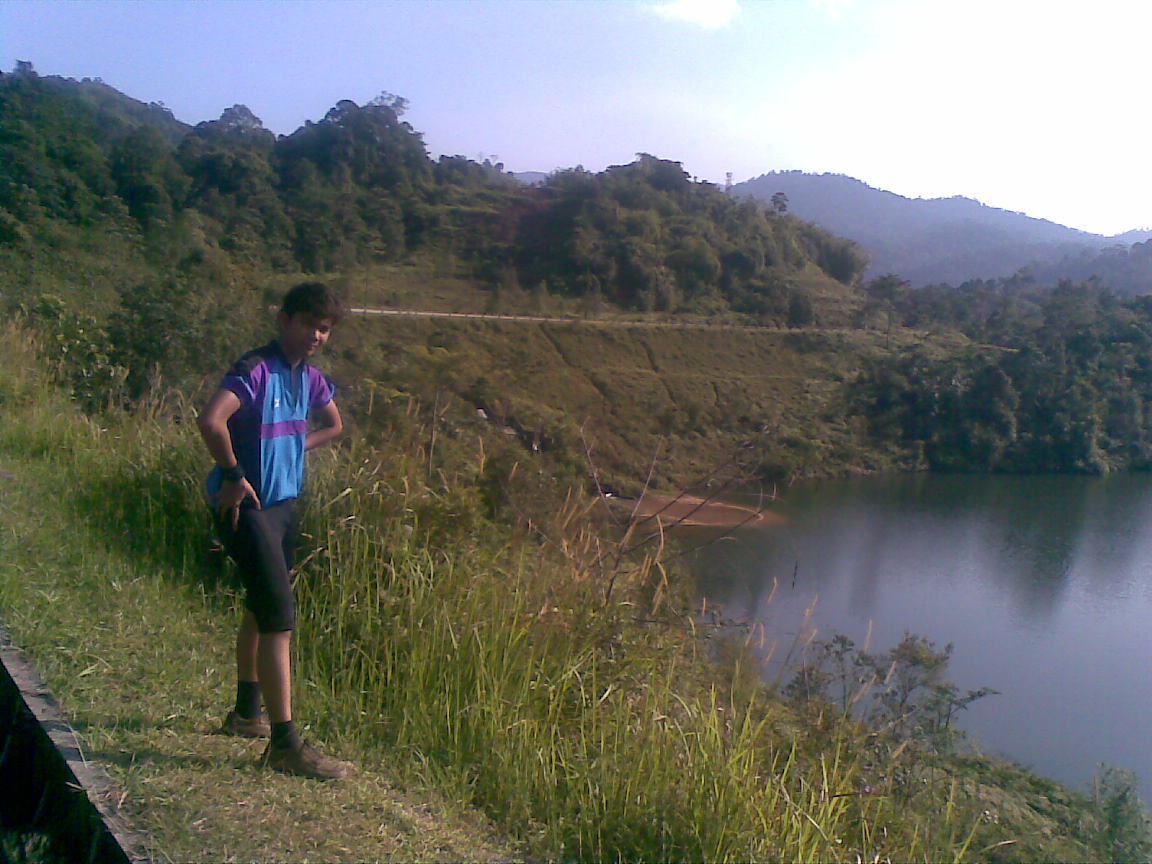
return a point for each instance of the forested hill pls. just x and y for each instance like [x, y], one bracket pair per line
[226, 199]
[1123, 269]
[141, 249]
[928, 241]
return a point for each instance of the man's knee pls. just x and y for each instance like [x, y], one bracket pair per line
[273, 614]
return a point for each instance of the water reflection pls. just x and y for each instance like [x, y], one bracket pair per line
[1042, 583]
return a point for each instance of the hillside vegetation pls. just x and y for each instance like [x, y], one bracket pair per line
[125, 234]
[214, 203]
[671, 406]
[145, 250]
[1067, 387]
[669, 336]
[583, 711]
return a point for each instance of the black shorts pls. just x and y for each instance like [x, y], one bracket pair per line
[263, 547]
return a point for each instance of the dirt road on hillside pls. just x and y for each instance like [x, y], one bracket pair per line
[588, 322]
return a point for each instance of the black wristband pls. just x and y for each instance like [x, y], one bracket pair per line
[234, 474]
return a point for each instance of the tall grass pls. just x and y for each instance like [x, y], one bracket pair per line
[492, 667]
[496, 670]
[590, 722]
[507, 675]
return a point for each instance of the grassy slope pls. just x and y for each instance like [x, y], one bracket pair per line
[149, 672]
[141, 664]
[137, 649]
[688, 398]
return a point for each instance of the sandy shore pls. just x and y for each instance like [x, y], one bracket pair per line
[694, 511]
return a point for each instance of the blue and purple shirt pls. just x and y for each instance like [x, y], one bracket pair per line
[270, 428]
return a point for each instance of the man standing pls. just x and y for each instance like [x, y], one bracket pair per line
[256, 426]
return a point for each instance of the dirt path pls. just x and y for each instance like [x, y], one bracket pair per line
[589, 322]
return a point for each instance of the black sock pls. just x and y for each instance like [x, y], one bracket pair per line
[247, 699]
[285, 735]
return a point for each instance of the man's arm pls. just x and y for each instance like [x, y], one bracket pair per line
[329, 426]
[213, 425]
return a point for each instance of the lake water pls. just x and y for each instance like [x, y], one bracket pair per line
[1043, 585]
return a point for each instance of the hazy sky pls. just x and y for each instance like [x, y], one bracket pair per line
[1031, 105]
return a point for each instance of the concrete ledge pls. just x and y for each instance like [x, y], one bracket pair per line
[47, 785]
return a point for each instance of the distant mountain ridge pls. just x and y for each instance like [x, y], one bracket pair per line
[935, 240]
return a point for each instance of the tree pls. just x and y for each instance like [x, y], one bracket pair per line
[234, 184]
[147, 176]
[886, 292]
[696, 266]
[239, 118]
[398, 105]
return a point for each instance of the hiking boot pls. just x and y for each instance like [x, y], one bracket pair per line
[243, 727]
[304, 761]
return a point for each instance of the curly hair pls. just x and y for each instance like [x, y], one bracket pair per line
[315, 298]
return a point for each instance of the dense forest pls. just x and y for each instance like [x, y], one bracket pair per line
[1055, 379]
[1124, 268]
[124, 233]
[358, 187]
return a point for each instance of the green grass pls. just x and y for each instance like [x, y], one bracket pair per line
[503, 696]
[140, 659]
[106, 580]
[694, 398]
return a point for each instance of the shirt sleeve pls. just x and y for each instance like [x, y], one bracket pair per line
[242, 379]
[322, 390]
[241, 387]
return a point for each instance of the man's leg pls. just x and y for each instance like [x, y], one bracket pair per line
[257, 544]
[263, 553]
[247, 644]
[245, 718]
[275, 668]
[263, 646]
[287, 751]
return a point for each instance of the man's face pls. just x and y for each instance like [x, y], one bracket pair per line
[303, 335]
